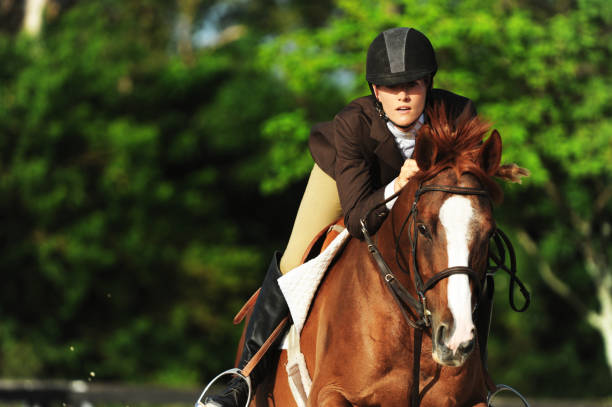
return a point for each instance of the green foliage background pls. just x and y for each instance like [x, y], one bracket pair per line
[144, 185]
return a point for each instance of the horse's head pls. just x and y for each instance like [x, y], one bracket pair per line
[450, 229]
[454, 232]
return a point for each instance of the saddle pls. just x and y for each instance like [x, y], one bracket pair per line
[323, 239]
[318, 244]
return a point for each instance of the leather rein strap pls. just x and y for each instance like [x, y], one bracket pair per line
[406, 301]
[401, 295]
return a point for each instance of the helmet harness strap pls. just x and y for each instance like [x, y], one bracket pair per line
[383, 115]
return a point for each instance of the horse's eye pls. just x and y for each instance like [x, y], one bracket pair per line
[423, 230]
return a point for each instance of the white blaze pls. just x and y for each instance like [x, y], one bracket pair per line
[455, 215]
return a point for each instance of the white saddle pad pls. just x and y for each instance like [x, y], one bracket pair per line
[300, 284]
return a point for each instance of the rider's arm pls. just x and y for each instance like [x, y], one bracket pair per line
[353, 170]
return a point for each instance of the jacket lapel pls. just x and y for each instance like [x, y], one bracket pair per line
[387, 151]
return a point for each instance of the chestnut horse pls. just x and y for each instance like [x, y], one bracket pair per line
[397, 330]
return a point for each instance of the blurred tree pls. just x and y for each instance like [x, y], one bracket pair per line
[11, 15]
[125, 163]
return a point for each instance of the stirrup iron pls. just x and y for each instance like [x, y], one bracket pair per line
[234, 372]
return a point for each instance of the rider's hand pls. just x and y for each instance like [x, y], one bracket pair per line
[408, 170]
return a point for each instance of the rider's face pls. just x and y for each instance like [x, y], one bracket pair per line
[403, 103]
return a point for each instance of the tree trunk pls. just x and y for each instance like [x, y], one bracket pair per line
[33, 16]
[184, 28]
[602, 320]
[601, 277]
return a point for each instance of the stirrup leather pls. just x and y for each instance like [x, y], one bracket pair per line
[246, 371]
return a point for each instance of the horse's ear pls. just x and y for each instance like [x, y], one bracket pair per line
[425, 151]
[490, 154]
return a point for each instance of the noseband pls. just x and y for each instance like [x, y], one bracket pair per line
[400, 293]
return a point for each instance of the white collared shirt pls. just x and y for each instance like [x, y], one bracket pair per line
[405, 141]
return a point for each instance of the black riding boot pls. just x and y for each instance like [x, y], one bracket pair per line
[270, 309]
[483, 318]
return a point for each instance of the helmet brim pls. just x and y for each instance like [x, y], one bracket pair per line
[392, 79]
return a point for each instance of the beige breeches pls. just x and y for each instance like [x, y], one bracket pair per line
[320, 206]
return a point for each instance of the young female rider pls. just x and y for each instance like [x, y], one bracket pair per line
[361, 157]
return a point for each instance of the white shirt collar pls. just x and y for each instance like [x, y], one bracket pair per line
[405, 140]
[411, 134]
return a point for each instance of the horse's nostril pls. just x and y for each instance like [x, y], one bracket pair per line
[467, 346]
[440, 334]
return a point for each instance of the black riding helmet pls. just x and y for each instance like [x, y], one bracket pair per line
[400, 55]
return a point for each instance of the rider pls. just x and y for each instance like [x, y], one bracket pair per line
[361, 157]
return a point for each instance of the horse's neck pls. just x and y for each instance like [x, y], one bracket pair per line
[386, 242]
[370, 283]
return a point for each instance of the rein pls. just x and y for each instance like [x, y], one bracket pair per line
[406, 301]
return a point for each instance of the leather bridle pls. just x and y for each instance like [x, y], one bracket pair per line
[402, 296]
[418, 305]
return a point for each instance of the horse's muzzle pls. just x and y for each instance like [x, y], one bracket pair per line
[444, 355]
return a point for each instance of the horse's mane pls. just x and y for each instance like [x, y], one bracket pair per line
[457, 144]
